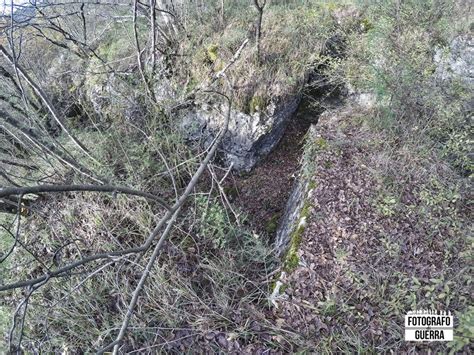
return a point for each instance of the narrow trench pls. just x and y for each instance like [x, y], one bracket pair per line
[262, 194]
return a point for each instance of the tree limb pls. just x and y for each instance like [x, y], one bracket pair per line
[10, 191]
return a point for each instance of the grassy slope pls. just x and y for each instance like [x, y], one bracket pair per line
[292, 40]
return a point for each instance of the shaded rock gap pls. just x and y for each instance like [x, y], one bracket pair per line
[262, 193]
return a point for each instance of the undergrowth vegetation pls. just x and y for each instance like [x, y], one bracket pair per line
[395, 59]
[294, 37]
[210, 286]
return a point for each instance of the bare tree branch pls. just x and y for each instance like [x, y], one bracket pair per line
[45, 99]
[35, 138]
[258, 31]
[11, 191]
[176, 208]
[146, 81]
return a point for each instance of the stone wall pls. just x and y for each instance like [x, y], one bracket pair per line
[294, 216]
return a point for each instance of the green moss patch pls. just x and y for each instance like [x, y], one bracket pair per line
[312, 185]
[272, 225]
[291, 260]
[257, 103]
[321, 143]
[212, 52]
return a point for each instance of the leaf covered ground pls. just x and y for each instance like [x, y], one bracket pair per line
[378, 244]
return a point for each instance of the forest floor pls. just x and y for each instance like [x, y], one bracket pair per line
[367, 259]
[367, 256]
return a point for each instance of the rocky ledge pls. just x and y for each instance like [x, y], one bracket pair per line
[250, 137]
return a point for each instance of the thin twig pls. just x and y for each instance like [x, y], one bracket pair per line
[16, 236]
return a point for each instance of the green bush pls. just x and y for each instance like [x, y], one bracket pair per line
[464, 333]
[215, 224]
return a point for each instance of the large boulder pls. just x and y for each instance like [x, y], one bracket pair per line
[250, 137]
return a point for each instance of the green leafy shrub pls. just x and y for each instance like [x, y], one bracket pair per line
[214, 222]
[464, 332]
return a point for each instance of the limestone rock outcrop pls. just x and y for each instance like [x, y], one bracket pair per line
[457, 61]
[250, 137]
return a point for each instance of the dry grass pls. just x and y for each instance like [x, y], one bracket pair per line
[292, 43]
[198, 294]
